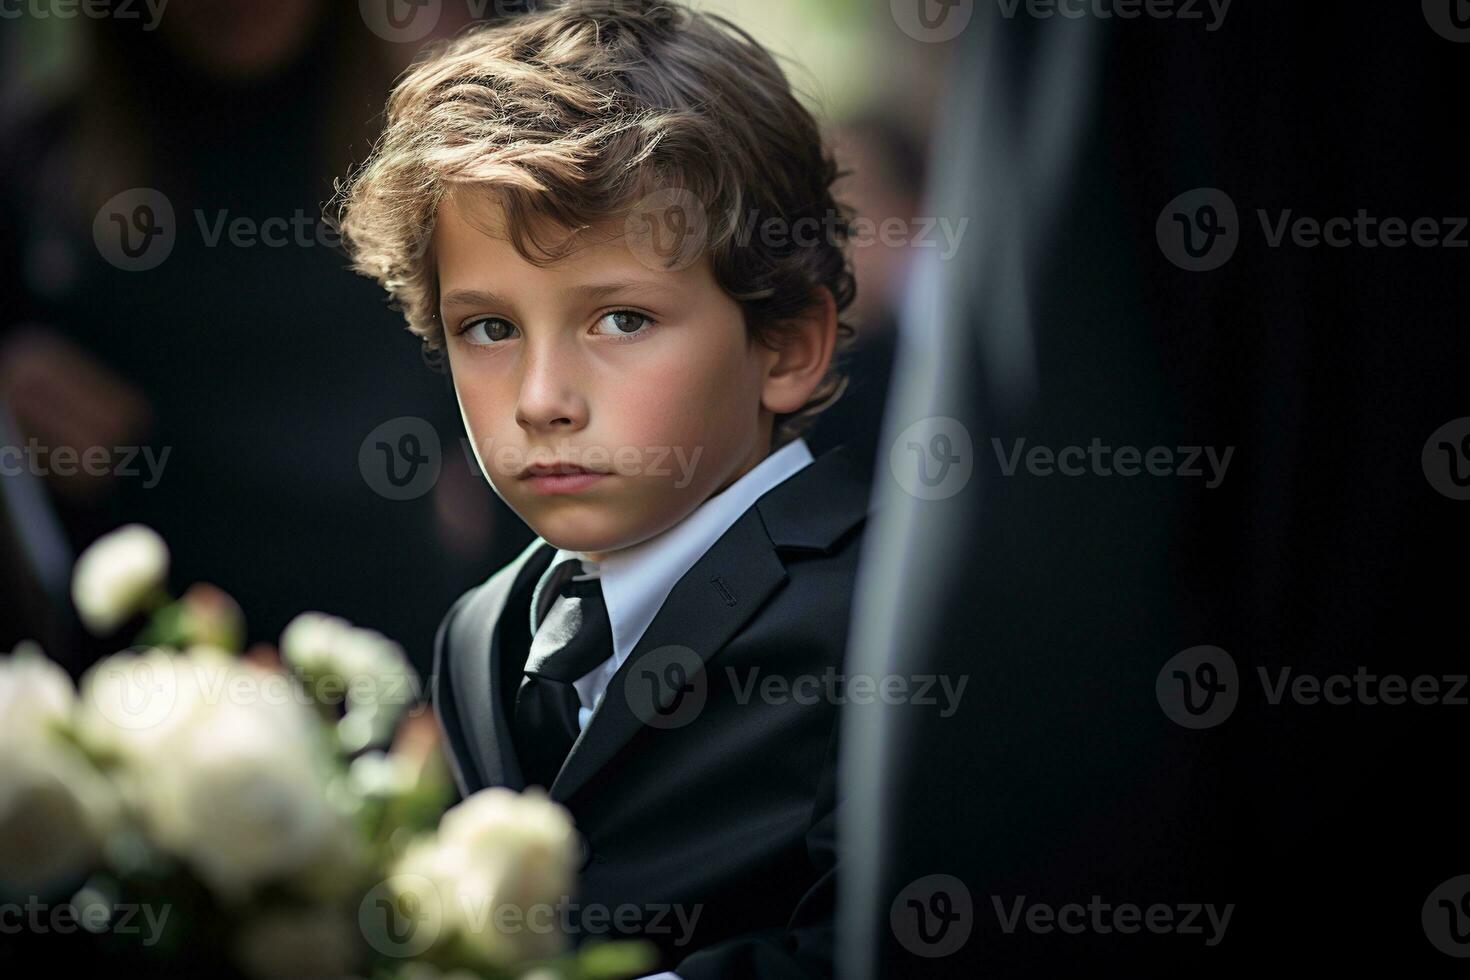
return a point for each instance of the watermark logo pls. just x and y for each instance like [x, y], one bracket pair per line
[409, 21]
[1198, 687]
[1212, 12]
[401, 458]
[407, 914]
[941, 233]
[1362, 687]
[1450, 19]
[933, 916]
[941, 691]
[149, 11]
[301, 230]
[135, 230]
[400, 21]
[932, 21]
[1098, 459]
[401, 917]
[507, 460]
[1446, 917]
[1104, 918]
[137, 692]
[933, 458]
[66, 461]
[667, 230]
[667, 687]
[1446, 459]
[1199, 230]
[141, 691]
[1363, 230]
[88, 910]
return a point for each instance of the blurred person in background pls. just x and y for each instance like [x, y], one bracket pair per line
[191, 353]
[884, 165]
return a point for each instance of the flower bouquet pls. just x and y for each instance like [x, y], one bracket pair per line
[262, 814]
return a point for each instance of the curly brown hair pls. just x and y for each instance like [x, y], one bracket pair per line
[579, 112]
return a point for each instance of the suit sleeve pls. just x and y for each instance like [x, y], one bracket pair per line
[445, 712]
[803, 949]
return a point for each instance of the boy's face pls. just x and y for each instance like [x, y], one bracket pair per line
[642, 378]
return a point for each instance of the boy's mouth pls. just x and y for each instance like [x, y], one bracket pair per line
[559, 477]
[555, 469]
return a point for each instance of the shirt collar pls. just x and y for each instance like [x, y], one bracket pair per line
[636, 580]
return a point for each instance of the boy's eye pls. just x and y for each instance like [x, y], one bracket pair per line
[622, 322]
[487, 330]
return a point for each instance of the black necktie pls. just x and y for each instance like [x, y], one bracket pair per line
[575, 637]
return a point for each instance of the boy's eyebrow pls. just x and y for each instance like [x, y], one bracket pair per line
[586, 291]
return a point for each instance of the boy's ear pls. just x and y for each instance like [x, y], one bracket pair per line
[798, 364]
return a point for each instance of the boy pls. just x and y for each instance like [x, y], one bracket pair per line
[618, 222]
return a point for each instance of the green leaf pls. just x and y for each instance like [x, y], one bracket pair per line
[615, 960]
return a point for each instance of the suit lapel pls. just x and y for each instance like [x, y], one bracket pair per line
[477, 662]
[719, 594]
[707, 606]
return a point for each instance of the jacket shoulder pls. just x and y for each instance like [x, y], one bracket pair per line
[821, 508]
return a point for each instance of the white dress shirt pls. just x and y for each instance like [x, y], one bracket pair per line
[636, 580]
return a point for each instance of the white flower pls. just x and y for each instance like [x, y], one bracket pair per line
[137, 704]
[309, 640]
[221, 758]
[500, 867]
[54, 806]
[373, 673]
[423, 885]
[115, 575]
[55, 809]
[242, 796]
[36, 695]
[366, 660]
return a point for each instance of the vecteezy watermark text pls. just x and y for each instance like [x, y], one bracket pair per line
[1362, 687]
[122, 461]
[401, 459]
[90, 9]
[622, 460]
[942, 232]
[1103, 918]
[410, 21]
[1199, 230]
[136, 230]
[122, 918]
[1181, 10]
[1097, 459]
[834, 687]
[1200, 687]
[404, 915]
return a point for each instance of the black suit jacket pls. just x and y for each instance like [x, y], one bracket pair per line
[712, 809]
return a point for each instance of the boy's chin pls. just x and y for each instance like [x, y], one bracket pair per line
[585, 534]
[588, 540]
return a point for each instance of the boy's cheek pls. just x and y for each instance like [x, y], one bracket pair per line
[477, 403]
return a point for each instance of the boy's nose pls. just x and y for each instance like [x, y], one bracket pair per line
[549, 394]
